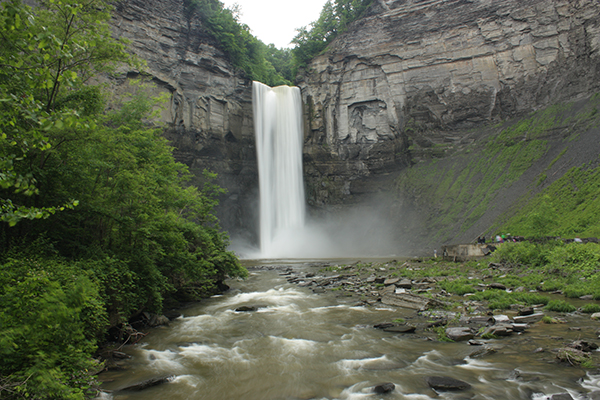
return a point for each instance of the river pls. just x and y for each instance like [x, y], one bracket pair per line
[302, 345]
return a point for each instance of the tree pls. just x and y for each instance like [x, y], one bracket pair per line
[46, 57]
[99, 221]
[333, 20]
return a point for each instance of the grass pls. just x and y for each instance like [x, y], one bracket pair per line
[560, 306]
[590, 308]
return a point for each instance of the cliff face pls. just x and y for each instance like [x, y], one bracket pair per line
[208, 117]
[408, 79]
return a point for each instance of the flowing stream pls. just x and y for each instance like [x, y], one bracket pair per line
[302, 345]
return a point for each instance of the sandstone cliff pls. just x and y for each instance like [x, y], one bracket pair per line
[408, 79]
[208, 118]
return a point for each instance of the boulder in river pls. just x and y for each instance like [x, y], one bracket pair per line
[444, 383]
[561, 396]
[383, 388]
[149, 383]
[400, 329]
[459, 334]
[246, 308]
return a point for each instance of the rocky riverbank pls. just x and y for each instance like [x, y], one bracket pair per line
[422, 292]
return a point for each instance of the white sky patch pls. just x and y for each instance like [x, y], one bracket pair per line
[276, 21]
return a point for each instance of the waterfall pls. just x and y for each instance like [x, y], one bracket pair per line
[279, 138]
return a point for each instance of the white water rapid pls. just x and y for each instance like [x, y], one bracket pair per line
[279, 137]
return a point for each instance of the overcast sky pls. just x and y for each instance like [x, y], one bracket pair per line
[275, 21]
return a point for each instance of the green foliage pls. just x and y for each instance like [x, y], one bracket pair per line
[502, 300]
[51, 316]
[45, 59]
[459, 287]
[590, 308]
[560, 306]
[333, 20]
[522, 253]
[546, 319]
[245, 51]
[98, 220]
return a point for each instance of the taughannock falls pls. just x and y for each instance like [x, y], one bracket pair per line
[397, 111]
[423, 123]
[278, 128]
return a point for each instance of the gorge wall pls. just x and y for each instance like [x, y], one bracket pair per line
[413, 75]
[208, 116]
[409, 81]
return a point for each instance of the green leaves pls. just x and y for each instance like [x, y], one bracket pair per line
[333, 20]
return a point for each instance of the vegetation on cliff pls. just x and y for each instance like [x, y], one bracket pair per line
[531, 177]
[97, 224]
[245, 51]
[333, 20]
[266, 63]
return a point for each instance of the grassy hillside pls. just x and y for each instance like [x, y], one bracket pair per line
[537, 175]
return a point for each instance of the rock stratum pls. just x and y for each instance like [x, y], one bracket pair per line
[415, 73]
[408, 78]
[208, 115]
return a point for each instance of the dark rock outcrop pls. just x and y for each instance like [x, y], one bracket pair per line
[149, 383]
[444, 383]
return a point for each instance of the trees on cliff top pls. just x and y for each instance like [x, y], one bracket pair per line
[96, 221]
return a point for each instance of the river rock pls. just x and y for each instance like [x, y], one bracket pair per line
[444, 383]
[409, 300]
[526, 311]
[499, 330]
[459, 334]
[528, 319]
[400, 329]
[561, 396]
[595, 395]
[404, 284]
[383, 388]
[501, 319]
[246, 309]
[583, 346]
[482, 352]
[391, 281]
[149, 383]
[498, 286]
[595, 316]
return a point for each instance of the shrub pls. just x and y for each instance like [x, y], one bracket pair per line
[560, 306]
[590, 308]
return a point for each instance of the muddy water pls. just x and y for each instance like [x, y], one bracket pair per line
[301, 345]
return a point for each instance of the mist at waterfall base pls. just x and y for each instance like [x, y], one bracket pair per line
[285, 228]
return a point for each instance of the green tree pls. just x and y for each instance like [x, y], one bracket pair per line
[333, 20]
[137, 234]
[245, 51]
[46, 57]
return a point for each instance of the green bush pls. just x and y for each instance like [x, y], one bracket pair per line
[521, 253]
[590, 308]
[50, 318]
[459, 287]
[560, 306]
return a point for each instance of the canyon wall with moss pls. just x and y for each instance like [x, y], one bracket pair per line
[406, 81]
[409, 83]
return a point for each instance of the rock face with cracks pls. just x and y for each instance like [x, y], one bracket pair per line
[411, 73]
[406, 79]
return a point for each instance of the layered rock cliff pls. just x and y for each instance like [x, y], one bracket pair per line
[408, 79]
[208, 118]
